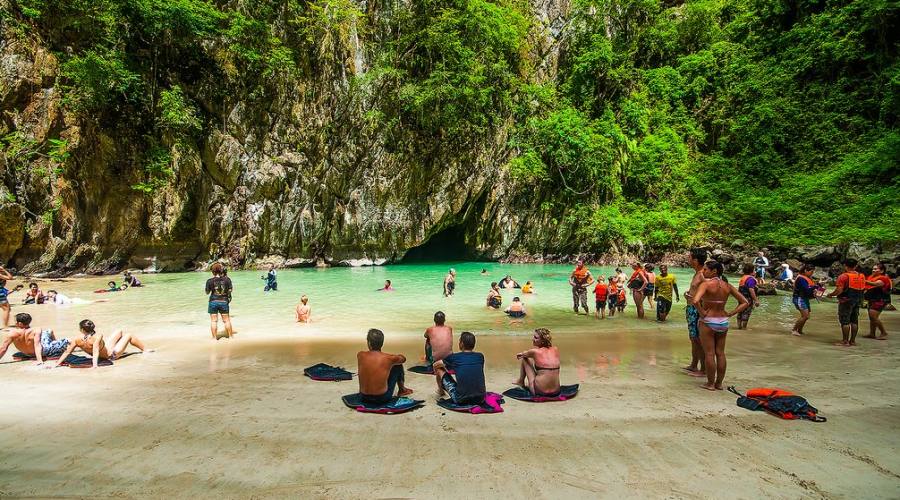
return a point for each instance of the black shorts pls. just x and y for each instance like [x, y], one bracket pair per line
[848, 312]
[600, 303]
[449, 385]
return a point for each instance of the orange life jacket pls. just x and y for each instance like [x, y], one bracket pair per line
[856, 281]
[806, 279]
[765, 392]
[744, 279]
[580, 275]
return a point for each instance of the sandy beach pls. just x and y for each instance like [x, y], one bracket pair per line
[237, 419]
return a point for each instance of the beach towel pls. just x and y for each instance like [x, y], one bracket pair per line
[74, 361]
[492, 402]
[21, 356]
[393, 407]
[778, 402]
[321, 371]
[522, 394]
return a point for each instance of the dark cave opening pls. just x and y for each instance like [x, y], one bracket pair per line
[448, 244]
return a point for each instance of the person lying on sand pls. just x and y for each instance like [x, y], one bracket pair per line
[303, 310]
[379, 372]
[97, 346]
[539, 366]
[40, 343]
[438, 339]
[468, 386]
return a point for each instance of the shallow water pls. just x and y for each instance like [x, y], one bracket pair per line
[345, 302]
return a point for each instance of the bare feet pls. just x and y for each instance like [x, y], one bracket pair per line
[708, 387]
[796, 333]
[852, 344]
[870, 336]
[883, 337]
[406, 391]
[842, 344]
[719, 387]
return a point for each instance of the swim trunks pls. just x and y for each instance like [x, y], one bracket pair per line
[848, 311]
[648, 292]
[745, 314]
[216, 307]
[877, 305]
[600, 304]
[611, 301]
[801, 303]
[693, 319]
[663, 306]
[52, 348]
[516, 314]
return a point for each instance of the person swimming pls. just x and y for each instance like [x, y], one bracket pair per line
[516, 309]
[388, 287]
[130, 280]
[528, 287]
[539, 366]
[710, 300]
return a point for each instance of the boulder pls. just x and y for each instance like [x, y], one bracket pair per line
[836, 269]
[818, 255]
[786, 286]
[12, 230]
[795, 264]
[767, 288]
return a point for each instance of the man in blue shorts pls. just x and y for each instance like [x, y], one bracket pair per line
[697, 258]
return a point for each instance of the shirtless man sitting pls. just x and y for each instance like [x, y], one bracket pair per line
[379, 372]
[539, 369]
[98, 346]
[33, 341]
[438, 340]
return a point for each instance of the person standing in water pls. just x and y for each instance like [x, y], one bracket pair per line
[638, 283]
[601, 293]
[696, 257]
[747, 286]
[388, 287]
[450, 283]
[651, 284]
[878, 293]
[494, 299]
[219, 289]
[4, 297]
[579, 280]
[665, 285]
[761, 263]
[612, 297]
[271, 279]
[303, 310]
[804, 292]
[851, 285]
[710, 301]
[438, 339]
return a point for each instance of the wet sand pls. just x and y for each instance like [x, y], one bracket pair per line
[237, 419]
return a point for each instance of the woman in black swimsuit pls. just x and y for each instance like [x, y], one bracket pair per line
[539, 367]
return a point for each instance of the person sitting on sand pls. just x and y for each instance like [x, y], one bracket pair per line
[219, 289]
[37, 342]
[509, 283]
[494, 299]
[438, 339]
[528, 287]
[4, 297]
[450, 283]
[54, 297]
[98, 346]
[539, 366]
[388, 287]
[130, 280]
[303, 310]
[710, 301]
[379, 372]
[516, 309]
[468, 387]
[34, 295]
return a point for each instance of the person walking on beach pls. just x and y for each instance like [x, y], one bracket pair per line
[379, 372]
[4, 297]
[710, 300]
[539, 366]
[696, 257]
[665, 286]
[579, 281]
[878, 294]
[804, 292]
[849, 290]
[450, 283]
[219, 289]
[747, 286]
[438, 339]
[761, 263]
[638, 283]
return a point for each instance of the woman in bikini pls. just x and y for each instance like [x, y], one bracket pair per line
[710, 301]
[540, 366]
[96, 344]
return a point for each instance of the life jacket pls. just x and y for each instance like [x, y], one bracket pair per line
[878, 292]
[495, 301]
[811, 286]
[742, 286]
[778, 402]
[636, 282]
[601, 291]
[613, 289]
[857, 281]
[580, 276]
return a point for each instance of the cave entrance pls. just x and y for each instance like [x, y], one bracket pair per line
[448, 244]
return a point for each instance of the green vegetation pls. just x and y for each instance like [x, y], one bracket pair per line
[664, 124]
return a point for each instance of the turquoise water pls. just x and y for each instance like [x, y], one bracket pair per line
[345, 302]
